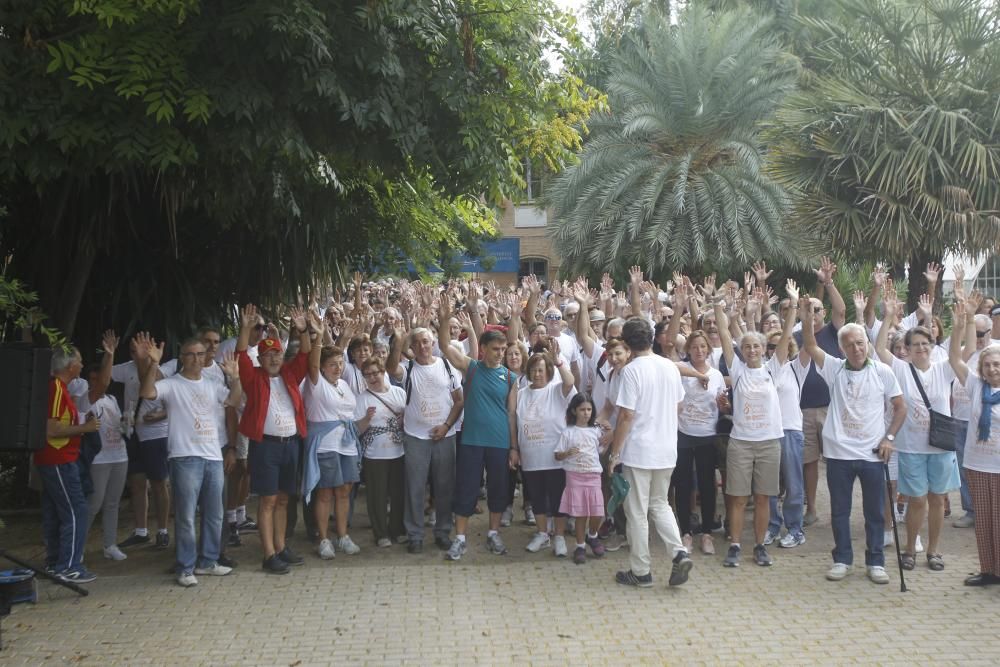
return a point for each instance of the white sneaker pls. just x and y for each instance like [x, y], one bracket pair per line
[187, 580]
[878, 574]
[538, 542]
[325, 550]
[838, 571]
[214, 571]
[114, 553]
[507, 517]
[347, 545]
[559, 546]
[790, 541]
[384, 542]
[769, 538]
[919, 548]
[887, 539]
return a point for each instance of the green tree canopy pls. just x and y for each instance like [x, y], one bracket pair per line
[672, 176]
[891, 150]
[160, 160]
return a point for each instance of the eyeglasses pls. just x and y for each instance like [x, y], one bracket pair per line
[771, 347]
[553, 318]
[817, 310]
[192, 354]
[260, 327]
[372, 374]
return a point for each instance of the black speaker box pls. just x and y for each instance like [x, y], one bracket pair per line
[24, 395]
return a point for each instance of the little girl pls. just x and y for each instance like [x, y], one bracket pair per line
[579, 449]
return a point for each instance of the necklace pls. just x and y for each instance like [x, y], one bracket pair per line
[336, 388]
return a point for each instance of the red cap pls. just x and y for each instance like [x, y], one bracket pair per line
[267, 345]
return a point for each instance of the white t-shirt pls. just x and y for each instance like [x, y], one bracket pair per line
[936, 380]
[756, 413]
[196, 408]
[587, 441]
[430, 397]
[541, 418]
[112, 443]
[789, 394]
[229, 345]
[651, 387]
[151, 430]
[588, 374]
[384, 437]
[128, 375]
[326, 403]
[569, 350]
[280, 418]
[961, 404]
[855, 421]
[699, 411]
[982, 456]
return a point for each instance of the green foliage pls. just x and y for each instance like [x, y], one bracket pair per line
[672, 177]
[892, 150]
[19, 311]
[214, 152]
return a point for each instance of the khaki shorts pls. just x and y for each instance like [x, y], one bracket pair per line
[812, 432]
[753, 467]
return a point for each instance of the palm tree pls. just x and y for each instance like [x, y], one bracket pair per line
[891, 151]
[672, 176]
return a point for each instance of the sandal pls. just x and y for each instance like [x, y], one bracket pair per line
[935, 562]
[907, 561]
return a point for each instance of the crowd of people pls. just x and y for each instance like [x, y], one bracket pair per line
[605, 411]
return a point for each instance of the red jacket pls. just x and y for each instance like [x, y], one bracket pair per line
[257, 387]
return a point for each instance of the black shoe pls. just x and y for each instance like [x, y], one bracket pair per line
[234, 536]
[162, 540]
[247, 525]
[682, 567]
[630, 578]
[275, 565]
[225, 560]
[290, 557]
[982, 579]
[133, 540]
[415, 547]
[442, 542]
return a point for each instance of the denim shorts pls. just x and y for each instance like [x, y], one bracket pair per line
[337, 469]
[920, 473]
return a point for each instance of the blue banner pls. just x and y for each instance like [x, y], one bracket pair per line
[505, 252]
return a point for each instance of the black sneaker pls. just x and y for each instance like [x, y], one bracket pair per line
[760, 556]
[681, 568]
[275, 565]
[77, 575]
[630, 578]
[290, 557]
[443, 543]
[234, 536]
[223, 559]
[415, 547]
[162, 540]
[247, 525]
[732, 556]
[133, 540]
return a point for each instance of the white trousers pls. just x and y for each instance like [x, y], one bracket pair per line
[647, 497]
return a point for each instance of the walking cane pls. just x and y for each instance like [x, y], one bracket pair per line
[895, 527]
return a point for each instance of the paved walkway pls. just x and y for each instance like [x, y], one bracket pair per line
[386, 606]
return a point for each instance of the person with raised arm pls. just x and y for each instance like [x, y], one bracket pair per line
[197, 459]
[487, 440]
[982, 442]
[926, 473]
[856, 441]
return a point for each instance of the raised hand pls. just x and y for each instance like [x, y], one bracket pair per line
[932, 272]
[464, 321]
[879, 276]
[358, 278]
[138, 346]
[316, 323]
[298, 318]
[248, 316]
[475, 294]
[607, 284]
[889, 300]
[860, 302]
[708, 287]
[925, 304]
[109, 342]
[973, 301]
[635, 275]
[230, 366]
[825, 271]
[760, 272]
[154, 351]
[772, 298]
[444, 310]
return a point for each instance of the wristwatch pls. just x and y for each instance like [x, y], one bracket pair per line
[890, 437]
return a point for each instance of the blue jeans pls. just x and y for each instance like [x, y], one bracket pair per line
[961, 433]
[196, 481]
[840, 476]
[64, 515]
[793, 506]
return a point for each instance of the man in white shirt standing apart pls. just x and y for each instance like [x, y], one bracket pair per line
[856, 441]
[645, 443]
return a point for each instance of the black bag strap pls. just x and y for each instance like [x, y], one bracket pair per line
[409, 377]
[920, 386]
[380, 400]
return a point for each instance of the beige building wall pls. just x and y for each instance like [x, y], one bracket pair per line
[530, 225]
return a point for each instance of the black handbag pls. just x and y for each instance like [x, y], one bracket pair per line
[943, 427]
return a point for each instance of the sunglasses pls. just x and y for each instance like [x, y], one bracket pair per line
[553, 318]
[771, 347]
[817, 310]
[981, 334]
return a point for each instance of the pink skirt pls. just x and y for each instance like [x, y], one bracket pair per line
[582, 496]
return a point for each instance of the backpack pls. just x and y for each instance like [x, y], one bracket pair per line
[408, 385]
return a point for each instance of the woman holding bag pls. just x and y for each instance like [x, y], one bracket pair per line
[926, 473]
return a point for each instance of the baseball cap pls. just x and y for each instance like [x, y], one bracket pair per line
[269, 344]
